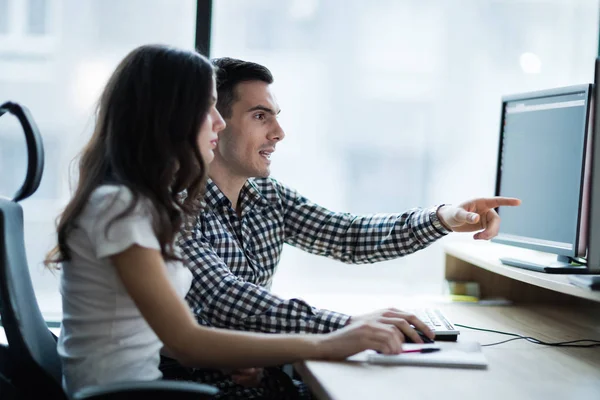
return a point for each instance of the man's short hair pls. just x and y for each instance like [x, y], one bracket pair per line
[230, 72]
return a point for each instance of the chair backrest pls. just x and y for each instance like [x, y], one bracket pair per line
[34, 359]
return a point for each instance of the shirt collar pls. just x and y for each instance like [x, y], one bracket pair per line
[214, 198]
[249, 196]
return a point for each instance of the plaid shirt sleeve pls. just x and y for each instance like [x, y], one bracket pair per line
[357, 239]
[219, 298]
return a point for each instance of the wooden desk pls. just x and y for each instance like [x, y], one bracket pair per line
[517, 370]
[480, 262]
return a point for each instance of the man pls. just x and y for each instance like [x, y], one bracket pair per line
[235, 246]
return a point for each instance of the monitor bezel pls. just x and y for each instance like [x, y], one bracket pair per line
[581, 236]
[593, 238]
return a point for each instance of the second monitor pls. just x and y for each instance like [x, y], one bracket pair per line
[543, 160]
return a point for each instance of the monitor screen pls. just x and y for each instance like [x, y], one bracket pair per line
[542, 161]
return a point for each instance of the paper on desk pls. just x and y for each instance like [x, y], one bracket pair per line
[451, 355]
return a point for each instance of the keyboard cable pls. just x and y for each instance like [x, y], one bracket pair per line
[571, 343]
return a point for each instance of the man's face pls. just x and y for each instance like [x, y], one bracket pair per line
[252, 132]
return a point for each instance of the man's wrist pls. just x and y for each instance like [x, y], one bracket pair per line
[437, 221]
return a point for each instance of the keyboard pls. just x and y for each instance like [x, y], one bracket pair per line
[437, 322]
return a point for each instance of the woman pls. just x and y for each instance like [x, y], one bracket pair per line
[141, 178]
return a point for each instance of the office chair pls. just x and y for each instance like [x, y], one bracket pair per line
[30, 362]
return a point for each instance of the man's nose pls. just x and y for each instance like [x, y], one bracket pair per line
[276, 133]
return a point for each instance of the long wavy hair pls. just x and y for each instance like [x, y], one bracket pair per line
[145, 138]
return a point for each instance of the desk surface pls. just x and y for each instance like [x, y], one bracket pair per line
[517, 370]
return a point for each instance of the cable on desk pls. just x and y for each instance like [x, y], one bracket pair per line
[570, 343]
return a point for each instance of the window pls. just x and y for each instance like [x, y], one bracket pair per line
[392, 104]
[55, 60]
[28, 27]
[3, 17]
[37, 17]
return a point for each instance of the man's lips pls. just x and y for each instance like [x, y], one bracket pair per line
[266, 153]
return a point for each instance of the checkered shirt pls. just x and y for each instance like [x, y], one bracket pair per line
[233, 258]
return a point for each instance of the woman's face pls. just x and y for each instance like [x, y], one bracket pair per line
[212, 125]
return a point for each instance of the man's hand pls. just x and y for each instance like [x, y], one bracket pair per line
[475, 215]
[400, 319]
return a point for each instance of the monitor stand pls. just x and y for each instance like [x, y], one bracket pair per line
[562, 265]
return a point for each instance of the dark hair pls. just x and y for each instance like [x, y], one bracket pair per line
[230, 72]
[145, 138]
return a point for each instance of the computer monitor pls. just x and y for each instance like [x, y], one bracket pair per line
[593, 253]
[544, 159]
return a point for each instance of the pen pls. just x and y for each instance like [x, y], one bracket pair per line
[424, 350]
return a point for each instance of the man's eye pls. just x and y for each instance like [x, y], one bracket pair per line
[259, 116]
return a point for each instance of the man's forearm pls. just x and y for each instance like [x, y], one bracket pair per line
[287, 316]
[362, 239]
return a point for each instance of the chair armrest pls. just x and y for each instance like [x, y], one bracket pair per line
[150, 390]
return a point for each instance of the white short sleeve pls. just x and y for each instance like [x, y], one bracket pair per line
[107, 202]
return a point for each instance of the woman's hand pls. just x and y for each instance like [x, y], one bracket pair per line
[359, 336]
